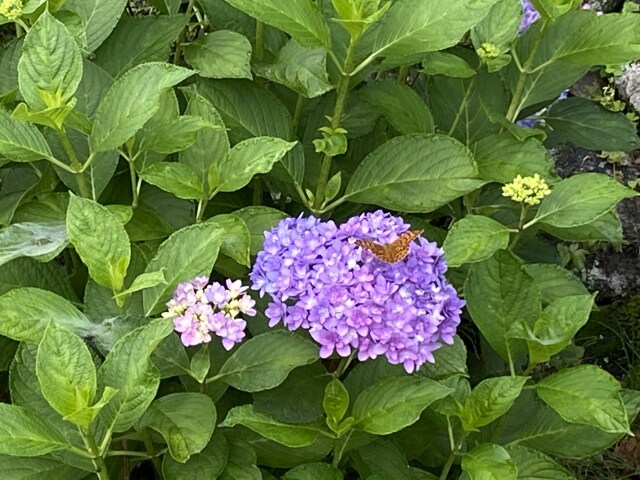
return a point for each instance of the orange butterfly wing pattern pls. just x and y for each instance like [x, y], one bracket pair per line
[391, 252]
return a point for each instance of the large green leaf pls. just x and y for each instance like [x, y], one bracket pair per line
[132, 100]
[500, 26]
[185, 420]
[581, 199]
[299, 18]
[128, 370]
[474, 239]
[43, 241]
[265, 361]
[425, 172]
[291, 435]
[259, 220]
[27, 272]
[556, 327]
[489, 462]
[451, 360]
[303, 70]
[498, 293]
[99, 18]
[534, 465]
[35, 468]
[313, 471]
[21, 141]
[587, 395]
[65, 371]
[237, 239]
[220, 54]
[589, 125]
[248, 158]
[206, 465]
[489, 400]
[394, 403]
[26, 312]
[502, 157]
[555, 282]
[605, 228]
[401, 106]
[51, 63]
[23, 434]
[177, 178]
[148, 39]
[186, 254]
[100, 240]
[416, 26]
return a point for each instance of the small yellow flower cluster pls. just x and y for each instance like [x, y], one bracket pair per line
[11, 9]
[488, 51]
[530, 190]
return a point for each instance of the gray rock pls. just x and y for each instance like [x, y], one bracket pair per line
[628, 85]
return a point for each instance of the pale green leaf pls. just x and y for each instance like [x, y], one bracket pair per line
[143, 281]
[489, 462]
[474, 239]
[259, 220]
[36, 468]
[534, 465]
[99, 18]
[42, 241]
[220, 54]
[21, 141]
[176, 178]
[23, 434]
[237, 239]
[500, 26]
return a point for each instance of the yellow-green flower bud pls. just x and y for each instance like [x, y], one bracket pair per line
[529, 190]
[11, 9]
[488, 51]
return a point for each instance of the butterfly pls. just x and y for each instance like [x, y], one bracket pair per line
[394, 251]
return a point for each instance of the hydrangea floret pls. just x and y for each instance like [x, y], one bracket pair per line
[349, 300]
[528, 190]
[488, 51]
[11, 9]
[199, 309]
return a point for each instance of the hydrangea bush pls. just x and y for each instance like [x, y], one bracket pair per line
[303, 240]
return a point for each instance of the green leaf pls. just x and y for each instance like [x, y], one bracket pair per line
[26, 312]
[415, 26]
[259, 220]
[175, 135]
[65, 371]
[50, 68]
[236, 241]
[99, 18]
[498, 293]
[555, 282]
[32, 468]
[247, 110]
[587, 395]
[220, 54]
[554, 330]
[581, 199]
[9, 57]
[502, 157]
[473, 239]
[451, 360]
[248, 158]
[444, 63]
[206, 465]
[241, 463]
[128, 370]
[23, 434]
[500, 26]
[185, 420]
[144, 281]
[148, 39]
[291, 435]
[171, 358]
[211, 145]
[489, 462]
[176, 178]
[313, 471]
[42, 241]
[200, 364]
[534, 465]
[303, 70]
[400, 105]
[428, 171]
[489, 400]
[587, 124]
[21, 141]
[100, 240]
[299, 18]
[264, 361]
[335, 401]
[132, 100]
[606, 228]
[395, 403]
[186, 254]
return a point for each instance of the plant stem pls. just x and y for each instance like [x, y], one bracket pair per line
[463, 105]
[343, 365]
[337, 453]
[202, 206]
[96, 456]
[181, 38]
[134, 185]
[258, 51]
[452, 457]
[151, 451]
[341, 98]
[75, 164]
[516, 101]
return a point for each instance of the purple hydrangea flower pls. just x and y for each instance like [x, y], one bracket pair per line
[198, 310]
[530, 16]
[348, 299]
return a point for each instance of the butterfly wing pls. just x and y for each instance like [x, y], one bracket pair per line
[391, 252]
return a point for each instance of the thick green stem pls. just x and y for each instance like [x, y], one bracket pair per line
[96, 455]
[258, 51]
[452, 457]
[202, 206]
[75, 163]
[516, 101]
[341, 99]
[134, 185]
[338, 450]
